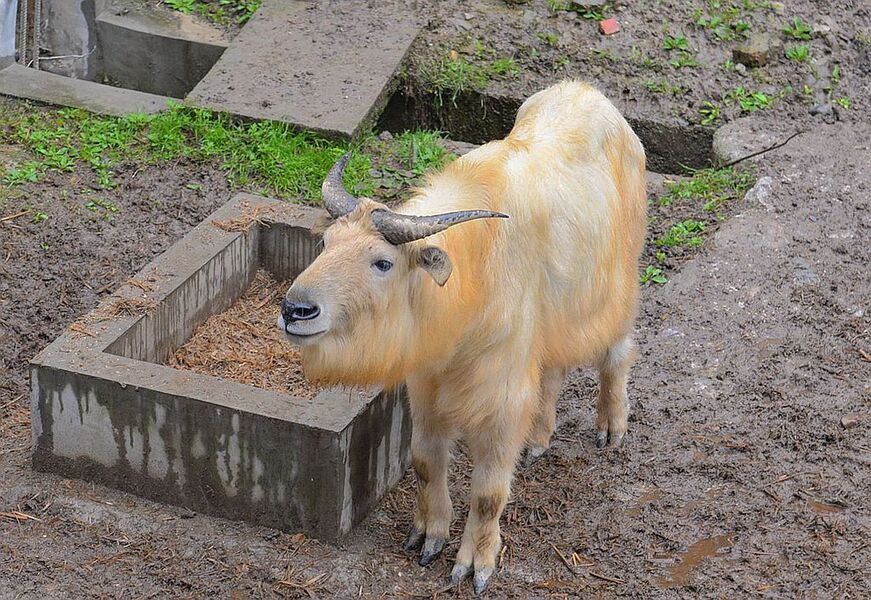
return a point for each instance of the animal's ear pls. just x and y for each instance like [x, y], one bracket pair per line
[435, 262]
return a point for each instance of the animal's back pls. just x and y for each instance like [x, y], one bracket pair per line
[562, 270]
[574, 187]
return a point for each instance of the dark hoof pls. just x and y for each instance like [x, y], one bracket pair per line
[459, 573]
[412, 542]
[432, 548]
[532, 454]
[601, 438]
[482, 579]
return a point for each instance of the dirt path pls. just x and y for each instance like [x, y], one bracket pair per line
[739, 477]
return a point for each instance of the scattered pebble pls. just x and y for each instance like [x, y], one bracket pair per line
[849, 421]
[822, 109]
[804, 274]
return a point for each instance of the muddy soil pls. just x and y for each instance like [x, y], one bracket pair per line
[745, 473]
[634, 67]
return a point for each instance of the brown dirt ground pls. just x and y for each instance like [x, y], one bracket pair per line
[738, 477]
[746, 471]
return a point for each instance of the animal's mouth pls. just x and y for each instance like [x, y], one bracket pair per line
[300, 338]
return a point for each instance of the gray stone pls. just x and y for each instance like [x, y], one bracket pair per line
[741, 137]
[326, 66]
[21, 82]
[740, 69]
[757, 50]
[760, 193]
[822, 109]
[803, 273]
[104, 408]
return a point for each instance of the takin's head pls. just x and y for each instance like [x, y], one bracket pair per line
[351, 310]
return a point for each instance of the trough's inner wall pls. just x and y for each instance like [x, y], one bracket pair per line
[210, 290]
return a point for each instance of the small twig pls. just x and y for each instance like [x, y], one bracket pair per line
[15, 216]
[763, 151]
[564, 560]
[865, 355]
[605, 578]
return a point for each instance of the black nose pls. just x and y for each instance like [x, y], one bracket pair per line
[298, 311]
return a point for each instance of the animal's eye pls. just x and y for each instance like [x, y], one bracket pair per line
[383, 265]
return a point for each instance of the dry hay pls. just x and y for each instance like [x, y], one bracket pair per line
[244, 221]
[243, 344]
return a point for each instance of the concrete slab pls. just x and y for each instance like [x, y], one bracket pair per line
[105, 409]
[157, 51]
[22, 82]
[324, 66]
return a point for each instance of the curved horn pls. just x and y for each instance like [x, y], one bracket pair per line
[337, 200]
[401, 229]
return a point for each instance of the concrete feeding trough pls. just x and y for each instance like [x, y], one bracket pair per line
[105, 409]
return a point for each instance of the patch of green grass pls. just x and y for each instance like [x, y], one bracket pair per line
[797, 29]
[725, 20]
[675, 43]
[220, 11]
[452, 73]
[654, 274]
[421, 151]
[264, 156]
[712, 187]
[799, 53]
[685, 233]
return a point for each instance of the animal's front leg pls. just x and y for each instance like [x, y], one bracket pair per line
[494, 454]
[431, 442]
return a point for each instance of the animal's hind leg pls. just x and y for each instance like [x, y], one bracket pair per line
[545, 420]
[613, 404]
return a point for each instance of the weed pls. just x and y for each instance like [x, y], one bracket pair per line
[654, 274]
[44, 246]
[797, 29]
[101, 206]
[28, 172]
[196, 187]
[799, 53]
[728, 65]
[585, 12]
[725, 22]
[421, 151]
[454, 74]
[711, 186]
[38, 217]
[748, 101]
[221, 12]
[836, 76]
[660, 256]
[685, 233]
[675, 43]
[710, 112]
[663, 86]
[684, 59]
[843, 103]
[807, 90]
[551, 39]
